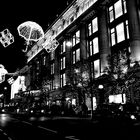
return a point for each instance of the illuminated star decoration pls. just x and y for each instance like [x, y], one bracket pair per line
[6, 38]
[50, 44]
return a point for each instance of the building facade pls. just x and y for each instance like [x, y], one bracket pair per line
[94, 29]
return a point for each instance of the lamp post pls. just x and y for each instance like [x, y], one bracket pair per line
[101, 95]
[100, 86]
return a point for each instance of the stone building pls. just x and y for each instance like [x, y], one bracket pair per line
[95, 28]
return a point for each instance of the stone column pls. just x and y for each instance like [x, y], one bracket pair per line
[83, 45]
[68, 52]
[56, 69]
[103, 37]
[134, 28]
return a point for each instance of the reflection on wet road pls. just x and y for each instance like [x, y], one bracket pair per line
[4, 119]
[16, 129]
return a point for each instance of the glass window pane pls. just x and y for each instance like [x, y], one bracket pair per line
[73, 41]
[95, 25]
[89, 29]
[64, 79]
[127, 30]
[95, 45]
[73, 57]
[61, 80]
[111, 14]
[52, 55]
[124, 4]
[118, 9]
[91, 48]
[120, 32]
[64, 46]
[77, 36]
[77, 55]
[44, 60]
[113, 41]
[63, 62]
[96, 68]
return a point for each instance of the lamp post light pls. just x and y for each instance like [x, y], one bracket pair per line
[68, 43]
[101, 95]
[100, 86]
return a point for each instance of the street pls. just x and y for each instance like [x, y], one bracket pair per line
[68, 128]
[14, 129]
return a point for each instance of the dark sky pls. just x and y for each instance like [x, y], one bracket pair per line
[17, 12]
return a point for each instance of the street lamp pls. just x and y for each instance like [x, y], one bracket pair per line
[100, 86]
[68, 43]
[101, 95]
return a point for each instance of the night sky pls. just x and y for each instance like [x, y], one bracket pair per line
[17, 12]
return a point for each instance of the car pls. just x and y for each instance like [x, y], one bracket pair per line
[37, 111]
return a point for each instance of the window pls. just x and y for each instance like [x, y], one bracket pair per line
[52, 68]
[91, 48]
[38, 65]
[111, 13]
[52, 55]
[124, 6]
[93, 26]
[113, 40]
[127, 30]
[63, 47]
[62, 63]
[76, 38]
[76, 55]
[44, 60]
[96, 68]
[94, 46]
[63, 79]
[119, 33]
[117, 10]
[89, 29]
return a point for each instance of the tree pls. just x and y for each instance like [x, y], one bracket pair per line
[77, 80]
[118, 64]
[133, 83]
[45, 89]
[124, 76]
[80, 81]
